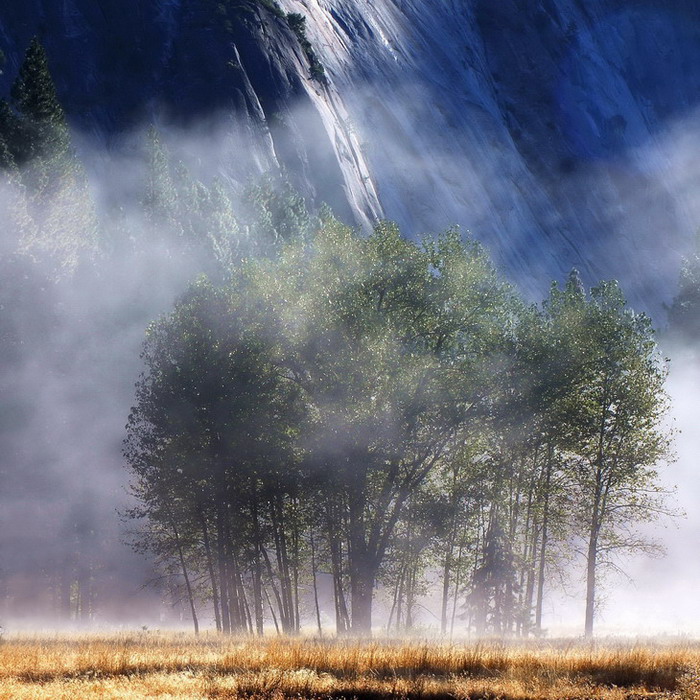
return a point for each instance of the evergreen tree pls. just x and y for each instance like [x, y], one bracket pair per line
[275, 212]
[36, 146]
[43, 131]
[160, 197]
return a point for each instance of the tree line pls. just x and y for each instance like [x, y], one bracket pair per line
[391, 414]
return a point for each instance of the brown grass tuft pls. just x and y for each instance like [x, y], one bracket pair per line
[153, 665]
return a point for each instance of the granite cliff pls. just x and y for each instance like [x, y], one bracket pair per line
[540, 126]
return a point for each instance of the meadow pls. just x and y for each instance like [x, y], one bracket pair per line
[179, 665]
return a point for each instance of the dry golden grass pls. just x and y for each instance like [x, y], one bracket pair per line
[153, 665]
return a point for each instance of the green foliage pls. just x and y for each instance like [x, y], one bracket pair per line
[274, 212]
[198, 219]
[246, 7]
[610, 412]
[386, 410]
[7, 162]
[297, 23]
[211, 397]
[274, 7]
[56, 220]
[398, 389]
[211, 436]
[10, 135]
[43, 131]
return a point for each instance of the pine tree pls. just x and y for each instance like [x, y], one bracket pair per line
[62, 226]
[43, 130]
[160, 196]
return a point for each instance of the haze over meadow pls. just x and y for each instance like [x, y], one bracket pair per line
[104, 236]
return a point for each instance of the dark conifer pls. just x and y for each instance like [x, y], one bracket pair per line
[44, 131]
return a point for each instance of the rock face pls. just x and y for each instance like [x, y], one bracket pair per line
[549, 128]
[199, 65]
[552, 129]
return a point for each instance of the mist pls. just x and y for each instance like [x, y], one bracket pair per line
[80, 334]
[660, 595]
[75, 339]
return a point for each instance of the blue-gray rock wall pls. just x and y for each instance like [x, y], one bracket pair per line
[549, 128]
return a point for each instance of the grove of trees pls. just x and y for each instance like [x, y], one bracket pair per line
[390, 413]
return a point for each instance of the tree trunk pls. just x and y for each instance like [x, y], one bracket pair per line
[272, 611]
[278, 597]
[296, 537]
[210, 569]
[281, 553]
[590, 580]
[257, 567]
[237, 603]
[411, 595]
[526, 586]
[446, 569]
[188, 586]
[361, 589]
[400, 598]
[245, 608]
[543, 544]
[362, 569]
[223, 573]
[596, 518]
[393, 607]
[456, 587]
[449, 552]
[313, 573]
[342, 618]
[529, 595]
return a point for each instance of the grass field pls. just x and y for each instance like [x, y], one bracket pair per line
[154, 665]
